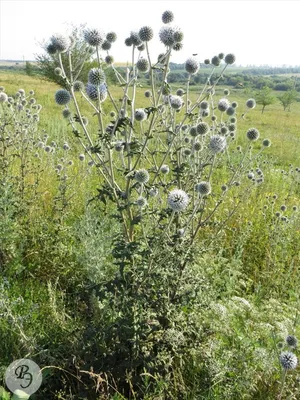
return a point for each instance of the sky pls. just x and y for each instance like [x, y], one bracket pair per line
[258, 32]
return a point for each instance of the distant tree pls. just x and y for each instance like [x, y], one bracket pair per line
[29, 68]
[265, 97]
[288, 98]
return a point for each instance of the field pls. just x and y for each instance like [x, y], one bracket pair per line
[146, 317]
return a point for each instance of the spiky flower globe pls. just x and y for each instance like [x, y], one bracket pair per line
[203, 188]
[202, 128]
[291, 340]
[66, 113]
[250, 103]
[223, 104]
[94, 37]
[230, 111]
[51, 49]
[217, 143]
[178, 200]
[58, 71]
[164, 169]
[288, 360]
[60, 43]
[128, 42]
[140, 114]
[141, 176]
[111, 37]
[78, 86]
[148, 93]
[166, 35]
[193, 131]
[180, 92]
[204, 105]
[96, 92]
[197, 146]
[178, 35]
[167, 17]
[216, 61]
[146, 33]
[176, 102]
[96, 76]
[252, 134]
[109, 60]
[136, 41]
[3, 97]
[192, 65]
[141, 47]
[62, 97]
[229, 58]
[141, 202]
[142, 65]
[106, 45]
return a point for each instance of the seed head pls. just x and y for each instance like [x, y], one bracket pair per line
[142, 65]
[106, 45]
[217, 143]
[178, 35]
[223, 105]
[140, 114]
[128, 42]
[230, 58]
[192, 65]
[202, 128]
[81, 157]
[204, 105]
[167, 17]
[166, 35]
[141, 176]
[94, 37]
[203, 188]
[62, 97]
[178, 200]
[176, 102]
[96, 76]
[146, 33]
[288, 360]
[197, 146]
[119, 146]
[136, 41]
[148, 93]
[230, 111]
[252, 134]
[111, 37]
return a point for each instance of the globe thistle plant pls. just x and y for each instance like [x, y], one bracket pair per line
[192, 65]
[96, 76]
[167, 17]
[288, 360]
[142, 65]
[203, 188]
[141, 176]
[62, 97]
[94, 37]
[178, 200]
[252, 134]
[96, 92]
[217, 144]
[176, 102]
[146, 33]
[140, 114]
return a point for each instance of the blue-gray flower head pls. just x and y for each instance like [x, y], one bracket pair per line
[141, 202]
[217, 144]
[141, 47]
[230, 58]
[60, 42]
[216, 61]
[203, 188]
[252, 134]
[140, 114]
[223, 104]
[230, 111]
[96, 92]
[180, 92]
[167, 17]
[288, 360]
[146, 33]
[111, 37]
[250, 103]
[166, 35]
[202, 128]
[78, 86]
[66, 113]
[266, 143]
[136, 41]
[192, 65]
[178, 200]
[51, 49]
[148, 93]
[106, 45]
[178, 35]
[62, 97]
[176, 102]
[96, 76]
[128, 42]
[142, 65]
[3, 97]
[109, 60]
[94, 37]
[177, 46]
[164, 169]
[142, 176]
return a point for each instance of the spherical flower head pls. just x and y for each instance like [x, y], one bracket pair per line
[78, 86]
[62, 97]
[266, 143]
[230, 58]
[204, 105]
[223, 104]
[178, 200]
[177, 46]
[250, 103]
[96, 76]
[141, 202]
[81, 157]
[216, 61]
[288, 360]
[109, 60]
[142, 64]
[3, 97]
[66, 146]
[203, 188]
[128, 42]
[178, 35]
[167, 17]
[118, 146]
[193, 131]
[192, 65]
[111, 37]
[141, 176]
[166, 35]
[176, 102]
[164, 169]
[197, 146]
[66, 113]
[217, 144]
[146, 33]
[180, 92]
[96, 92]
[136, 41]
[252, 134]
[60, 43]
[106, 45]
[230, 111]
[58, 71]
[94, 37]
[202, 128]
[50, 49]
[140, 114]
[148, 93]
[141, 47]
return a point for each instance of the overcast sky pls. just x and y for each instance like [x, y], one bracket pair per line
[258, 31]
